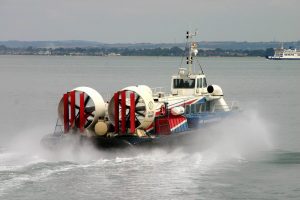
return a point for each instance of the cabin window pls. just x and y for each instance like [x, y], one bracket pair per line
[183, 83]
[187, 109]
[205, 107]
[193, 109]
[204, 83]
[199, 83]
[198, 108]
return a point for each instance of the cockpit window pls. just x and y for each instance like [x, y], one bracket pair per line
[183, 83]
[204, 82]
[199, 83]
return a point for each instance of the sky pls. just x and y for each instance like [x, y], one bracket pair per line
[155, 21]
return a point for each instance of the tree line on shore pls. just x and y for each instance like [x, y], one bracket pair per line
[174, 51]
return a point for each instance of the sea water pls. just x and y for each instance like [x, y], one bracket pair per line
[254, 155]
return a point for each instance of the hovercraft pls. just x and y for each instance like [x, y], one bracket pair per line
[140, 115]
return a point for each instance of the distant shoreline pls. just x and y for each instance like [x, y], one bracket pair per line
[173, 51]
[234, 45]
[199, 56]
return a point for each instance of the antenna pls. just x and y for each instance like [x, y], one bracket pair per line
[192, 49]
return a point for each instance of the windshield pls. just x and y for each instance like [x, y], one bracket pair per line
[183, 83]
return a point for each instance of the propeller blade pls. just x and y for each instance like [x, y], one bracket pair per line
[86, 100]
[140, 108]
[139, 113]
[89, 109]
[137, 122]
[88, 123]
[77, 116]
[127, 116]
[77, 107]
[137, 100]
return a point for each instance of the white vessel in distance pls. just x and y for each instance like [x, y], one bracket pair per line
[285, 54]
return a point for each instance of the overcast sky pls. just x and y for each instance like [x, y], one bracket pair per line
[113, 21]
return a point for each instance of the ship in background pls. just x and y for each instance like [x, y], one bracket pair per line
[285, 54]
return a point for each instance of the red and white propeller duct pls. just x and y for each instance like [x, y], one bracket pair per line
[81, 108]
[132, 107]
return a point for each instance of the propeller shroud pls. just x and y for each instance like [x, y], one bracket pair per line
[144, 109]
[93, 108]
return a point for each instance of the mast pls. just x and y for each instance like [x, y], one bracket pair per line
[192, 50]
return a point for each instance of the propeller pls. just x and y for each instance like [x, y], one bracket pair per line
[70, 107]
[137, 99]
[89, 108]
[139, 110]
